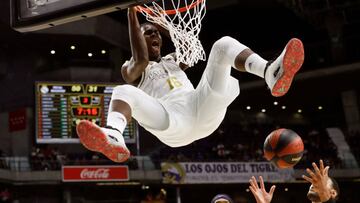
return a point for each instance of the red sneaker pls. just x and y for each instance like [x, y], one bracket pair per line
[280, 73]
[108, 141]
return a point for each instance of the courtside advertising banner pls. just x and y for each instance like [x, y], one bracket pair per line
[222, 172]
[94, 173]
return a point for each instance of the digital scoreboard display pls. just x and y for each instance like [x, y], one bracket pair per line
[60, 106]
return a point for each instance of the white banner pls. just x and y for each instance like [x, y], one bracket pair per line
[222, 172]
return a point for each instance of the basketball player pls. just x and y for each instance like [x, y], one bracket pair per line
[222, 198]
[260, 194]
[323, 188]
[163, 100]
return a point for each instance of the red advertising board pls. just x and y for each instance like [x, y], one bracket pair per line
[94, 173]
[17, 120]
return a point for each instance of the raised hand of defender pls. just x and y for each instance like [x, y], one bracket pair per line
[260, 194]
[319, 179]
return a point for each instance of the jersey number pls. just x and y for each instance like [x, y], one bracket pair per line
[173, 82]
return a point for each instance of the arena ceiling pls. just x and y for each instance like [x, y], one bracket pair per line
[330, 30]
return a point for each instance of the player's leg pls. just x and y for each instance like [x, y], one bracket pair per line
[133, 102]
[126, 101]
[278, 74]
[221, 58]
[217, 89]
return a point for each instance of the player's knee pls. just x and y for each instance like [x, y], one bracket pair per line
[223, 43]
[219, 52]
[125, 90]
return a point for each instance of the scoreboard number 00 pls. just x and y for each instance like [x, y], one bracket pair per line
[76, 88]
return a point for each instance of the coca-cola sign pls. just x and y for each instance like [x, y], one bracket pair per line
[95, 173]
[100, 173]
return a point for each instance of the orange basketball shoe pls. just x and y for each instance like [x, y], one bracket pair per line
[108, 141]
[279, 74]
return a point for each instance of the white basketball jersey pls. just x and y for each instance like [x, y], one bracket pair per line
[193, 113]
[163, 77]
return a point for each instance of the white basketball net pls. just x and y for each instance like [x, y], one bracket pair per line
[184, 27]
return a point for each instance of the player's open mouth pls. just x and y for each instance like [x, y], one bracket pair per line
[155, 43]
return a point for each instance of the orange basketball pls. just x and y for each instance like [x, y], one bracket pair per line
[284, 148]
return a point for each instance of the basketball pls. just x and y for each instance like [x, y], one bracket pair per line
[284, 148]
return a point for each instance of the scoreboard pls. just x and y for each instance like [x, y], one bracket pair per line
[61, 106]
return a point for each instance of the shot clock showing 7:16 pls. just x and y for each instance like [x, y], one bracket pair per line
[61, 106]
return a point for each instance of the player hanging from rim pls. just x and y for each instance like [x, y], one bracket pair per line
[165, 102]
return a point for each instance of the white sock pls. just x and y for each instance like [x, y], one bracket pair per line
[255, 64]
[116, 120]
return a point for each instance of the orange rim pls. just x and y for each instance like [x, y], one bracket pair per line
[173, 11]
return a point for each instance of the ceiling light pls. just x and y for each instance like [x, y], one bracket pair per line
[299, 110]
[320, 107]
[248, 107]
[52, 52]
[72, 47]
[276, 103]
[103, 51]
[283, 107]
[90, 54]
[263, 110]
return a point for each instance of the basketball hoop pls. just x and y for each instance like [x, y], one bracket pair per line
[182, 18]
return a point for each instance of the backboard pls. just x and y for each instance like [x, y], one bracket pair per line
[32, 15]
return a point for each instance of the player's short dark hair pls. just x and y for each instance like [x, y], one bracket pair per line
[336, 187]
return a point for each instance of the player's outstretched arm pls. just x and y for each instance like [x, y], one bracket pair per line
[260, 194]
[319, 179]
[140, 57]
